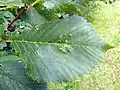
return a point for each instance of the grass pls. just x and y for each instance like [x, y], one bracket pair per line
[106, 75]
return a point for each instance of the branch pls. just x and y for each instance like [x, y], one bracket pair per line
[23, 10]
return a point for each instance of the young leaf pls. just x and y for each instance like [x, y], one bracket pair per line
[60, 50]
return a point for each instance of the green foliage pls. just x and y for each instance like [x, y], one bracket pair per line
[106, 75]
[13, 77]
[59, 42]
[50, 42]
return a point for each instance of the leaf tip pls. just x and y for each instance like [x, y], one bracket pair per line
[107, 47]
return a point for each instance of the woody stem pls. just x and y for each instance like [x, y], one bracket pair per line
[23, 10]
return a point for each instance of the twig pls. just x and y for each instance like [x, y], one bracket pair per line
[23, 10]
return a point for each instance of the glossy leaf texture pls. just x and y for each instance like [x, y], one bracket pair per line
[13, 77]
[60, 50]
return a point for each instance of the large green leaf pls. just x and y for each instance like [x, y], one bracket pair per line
[60, 50]
[13, 77]
[49, 9]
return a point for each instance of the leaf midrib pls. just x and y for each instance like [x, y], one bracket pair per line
[56, 43]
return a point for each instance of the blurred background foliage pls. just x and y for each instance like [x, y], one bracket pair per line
[106, 76]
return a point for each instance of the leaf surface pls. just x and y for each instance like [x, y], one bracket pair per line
[13, 77]
[33, 17]
[61, 50]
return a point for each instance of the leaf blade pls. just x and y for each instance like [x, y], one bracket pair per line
[13, 77]
[60, 50]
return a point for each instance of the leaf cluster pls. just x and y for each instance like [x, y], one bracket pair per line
[50, 42]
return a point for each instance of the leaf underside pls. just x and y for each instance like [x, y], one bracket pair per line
[61, 50]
